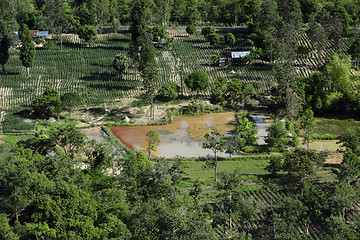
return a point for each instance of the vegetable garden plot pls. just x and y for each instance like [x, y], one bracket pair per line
[88, 70]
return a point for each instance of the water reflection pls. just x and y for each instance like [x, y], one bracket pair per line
[184, 136]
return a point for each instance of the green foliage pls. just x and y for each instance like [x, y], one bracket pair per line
[159, 33]
[68, 137]
[197, 81]
[337, 72]
[48, 104]
[27, 50]
[215, 142]
[153, 140]
[213, 38]
[70, 100]
[307, 123]
[4, 45]
[169, 91]
[191, 29]
[238, 92]
[275, 165]
[350, 166]
[87, 33]
[121, 63]
[245, 131]
[229, 39]
[206, 31]
[300, 162]
[277, 135]
[218, 90]
[350, 139]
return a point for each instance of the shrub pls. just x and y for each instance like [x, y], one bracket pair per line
[48, 104]
[159, 33]
[218, 91]
[87, 32]
[169, 91]
[121, 63]
[207, 31]
[191, 29]
[197, 81]
[229, 39]
[213, 38]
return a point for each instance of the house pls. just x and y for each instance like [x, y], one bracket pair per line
[241, 54]
[240, 58]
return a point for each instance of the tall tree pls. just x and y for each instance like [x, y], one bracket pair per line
[307, 123]
[153, 140]
[27, 50]
[214, 141]
[4, 45]
[139, 26]
[58, 12]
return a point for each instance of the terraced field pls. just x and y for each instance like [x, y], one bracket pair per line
[88, 71]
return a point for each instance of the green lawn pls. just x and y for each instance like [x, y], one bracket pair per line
[12, 139]
[195, 170]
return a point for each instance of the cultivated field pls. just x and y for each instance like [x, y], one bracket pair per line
[88, 71]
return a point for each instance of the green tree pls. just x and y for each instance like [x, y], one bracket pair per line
[245, 131]
[275, 165]
[206, 31]
[350, 139]
[213, 38]
[87, 33]
[307, 122]
[4, 46]
[169, 91]
[229, 39]
[214, 141]
[197, 81]
[153, 140]
[70, 101]
[277, 135]
[27, 50]
[159, 33]
[48, 104]
[139, 26]
[342, 198]
[218, 90]
[337, 72]
[239, 92]
[191, 29]
[350, 166]
[68, 137]
[121, 63]
[300, 162]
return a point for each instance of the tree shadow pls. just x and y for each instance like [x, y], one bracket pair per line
[119, 40]
[10, 73]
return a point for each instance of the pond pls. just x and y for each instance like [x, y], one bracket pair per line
[184, 136]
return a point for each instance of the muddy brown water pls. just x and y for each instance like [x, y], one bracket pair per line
[184, 136]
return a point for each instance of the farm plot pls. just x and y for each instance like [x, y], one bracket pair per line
[88, 70]
[85, 70]
[267, 196]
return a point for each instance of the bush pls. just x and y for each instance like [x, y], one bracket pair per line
[191, 29]
[207, 31]
[213, 38]
[169, 91]
[218, 91]
[159, 33]
[48, 104]
[87, 32]
[197, 81]
[229, 39]
[121, 63]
